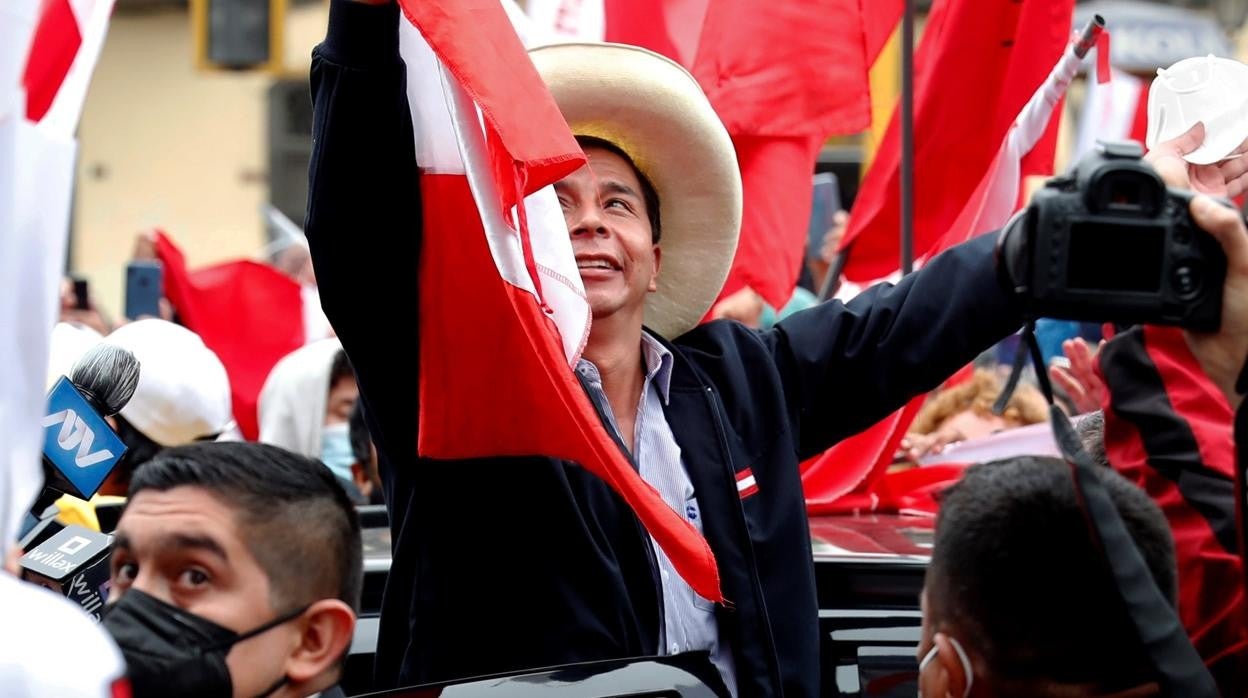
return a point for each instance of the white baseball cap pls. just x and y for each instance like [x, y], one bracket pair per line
[183, 392]
[69, 343]
[1211, 90]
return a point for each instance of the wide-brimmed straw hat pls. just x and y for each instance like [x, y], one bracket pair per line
[653, 110]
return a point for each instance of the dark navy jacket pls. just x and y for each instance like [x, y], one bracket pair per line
[510, 563]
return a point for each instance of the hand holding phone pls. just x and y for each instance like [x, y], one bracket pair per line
[144, 287]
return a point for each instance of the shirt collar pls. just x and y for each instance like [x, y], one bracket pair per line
[658, 360]
[658, 364]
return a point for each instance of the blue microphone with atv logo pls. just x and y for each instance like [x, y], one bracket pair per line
[80, 449]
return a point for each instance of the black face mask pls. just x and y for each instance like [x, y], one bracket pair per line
[172, 652]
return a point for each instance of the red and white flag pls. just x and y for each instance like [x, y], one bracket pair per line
[1115, 110]
[858, 463]
[976, 66]
[998, 195]
[63, 53]
[499, 284]
[48, 50]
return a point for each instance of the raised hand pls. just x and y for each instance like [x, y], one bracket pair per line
[1080, 382]
[1226, 178]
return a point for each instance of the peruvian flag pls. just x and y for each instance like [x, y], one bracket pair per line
[499, 284]
[782, 76]
[48, 50]
[63, 52]
[248, 313]
[999, 193]
[976, 66]
[856, 465]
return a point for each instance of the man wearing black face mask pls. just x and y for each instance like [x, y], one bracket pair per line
[236, 572]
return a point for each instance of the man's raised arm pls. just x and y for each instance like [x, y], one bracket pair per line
[364, 211]
[845, 367]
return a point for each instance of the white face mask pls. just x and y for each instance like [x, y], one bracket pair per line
[966, 664]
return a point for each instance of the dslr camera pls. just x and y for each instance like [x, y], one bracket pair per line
[1109, 242]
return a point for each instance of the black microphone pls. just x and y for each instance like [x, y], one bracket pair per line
[44, 528]
[80, 449]
[72, 563]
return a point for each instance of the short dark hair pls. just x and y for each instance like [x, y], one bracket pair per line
[361, 438]
[139, 450]
[650, 197]
[294, 516]
[340, 369]
[1015, 568]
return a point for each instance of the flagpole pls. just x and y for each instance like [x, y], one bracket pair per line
[907, 139]
[1087, 38]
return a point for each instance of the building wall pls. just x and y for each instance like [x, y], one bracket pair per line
[163, 144]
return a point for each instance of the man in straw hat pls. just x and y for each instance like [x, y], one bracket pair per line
[503, 564]
[717, 415]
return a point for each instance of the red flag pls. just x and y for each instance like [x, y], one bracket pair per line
[854, 465]
[776, 191]
[502, 293]
[784, 77]
[248, 313]
[857, 464]
[879, 21]
[976, 66]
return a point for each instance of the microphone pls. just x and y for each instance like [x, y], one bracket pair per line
[107, 375]
[74, 564]
[80, 449]
[44, 528]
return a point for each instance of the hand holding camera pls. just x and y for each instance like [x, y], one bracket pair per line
[1222, 355]
[1123, 239]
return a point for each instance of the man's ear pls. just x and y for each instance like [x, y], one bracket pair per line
[949, 669]
[358, 474]
[325, 634]
[658, 258]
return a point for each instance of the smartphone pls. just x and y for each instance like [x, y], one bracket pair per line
[827, 201]
[144, 286]
[82, 301]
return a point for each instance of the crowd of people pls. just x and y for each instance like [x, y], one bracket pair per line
[236, 566]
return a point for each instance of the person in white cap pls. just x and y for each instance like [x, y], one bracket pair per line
[183, 394]
[501, 564]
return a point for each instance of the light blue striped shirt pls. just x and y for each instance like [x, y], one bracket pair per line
[688, 620]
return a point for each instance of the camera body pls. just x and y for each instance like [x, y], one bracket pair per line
[1111, 243]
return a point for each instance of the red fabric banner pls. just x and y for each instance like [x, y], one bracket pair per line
[248, 313]
[976, 66]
